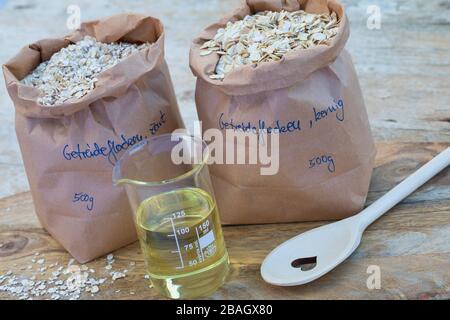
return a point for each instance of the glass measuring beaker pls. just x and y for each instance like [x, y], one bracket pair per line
[169, 188]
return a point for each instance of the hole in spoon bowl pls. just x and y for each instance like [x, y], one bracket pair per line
[305, 264]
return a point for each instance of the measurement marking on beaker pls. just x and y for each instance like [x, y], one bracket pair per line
[178, 245]
[201, 249]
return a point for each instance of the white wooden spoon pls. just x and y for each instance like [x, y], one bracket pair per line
[312, 254]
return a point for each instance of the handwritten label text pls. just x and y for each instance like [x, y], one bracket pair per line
[336, 108]
[109, 151]
[277, 126]
[84, 198]
[155, 126]
[323, 160]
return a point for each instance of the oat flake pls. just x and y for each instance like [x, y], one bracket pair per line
[72, 72]
[267, 36]
[65, 283]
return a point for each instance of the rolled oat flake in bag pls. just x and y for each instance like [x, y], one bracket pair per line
[80, 102]
[281, 65]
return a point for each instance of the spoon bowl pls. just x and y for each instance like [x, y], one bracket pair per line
[320, 251]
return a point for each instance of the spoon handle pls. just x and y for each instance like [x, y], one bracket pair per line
[404, 189]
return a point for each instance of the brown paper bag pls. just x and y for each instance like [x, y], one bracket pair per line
[326, 164]
[69, 150]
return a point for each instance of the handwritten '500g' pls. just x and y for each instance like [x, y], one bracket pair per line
[323, 160]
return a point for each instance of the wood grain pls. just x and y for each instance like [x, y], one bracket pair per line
[410, 244]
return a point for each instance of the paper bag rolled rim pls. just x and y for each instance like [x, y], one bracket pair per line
[113, 82]
[295, 66]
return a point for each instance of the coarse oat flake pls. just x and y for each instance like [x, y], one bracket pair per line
[267, 36]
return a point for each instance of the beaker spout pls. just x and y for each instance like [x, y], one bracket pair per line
[131, 168]
[121, 182]
[117, 178]
[152, 164]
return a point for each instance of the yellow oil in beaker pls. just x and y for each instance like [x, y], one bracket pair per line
[182, 242]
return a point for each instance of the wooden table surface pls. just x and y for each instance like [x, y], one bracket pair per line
[411, 244]
[404, 70]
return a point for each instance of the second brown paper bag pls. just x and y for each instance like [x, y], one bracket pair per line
[326, 162]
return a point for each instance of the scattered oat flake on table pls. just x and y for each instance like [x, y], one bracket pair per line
[72, 72]
[267, 36]
[68, 283]
[94, 289]
[117, 275]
